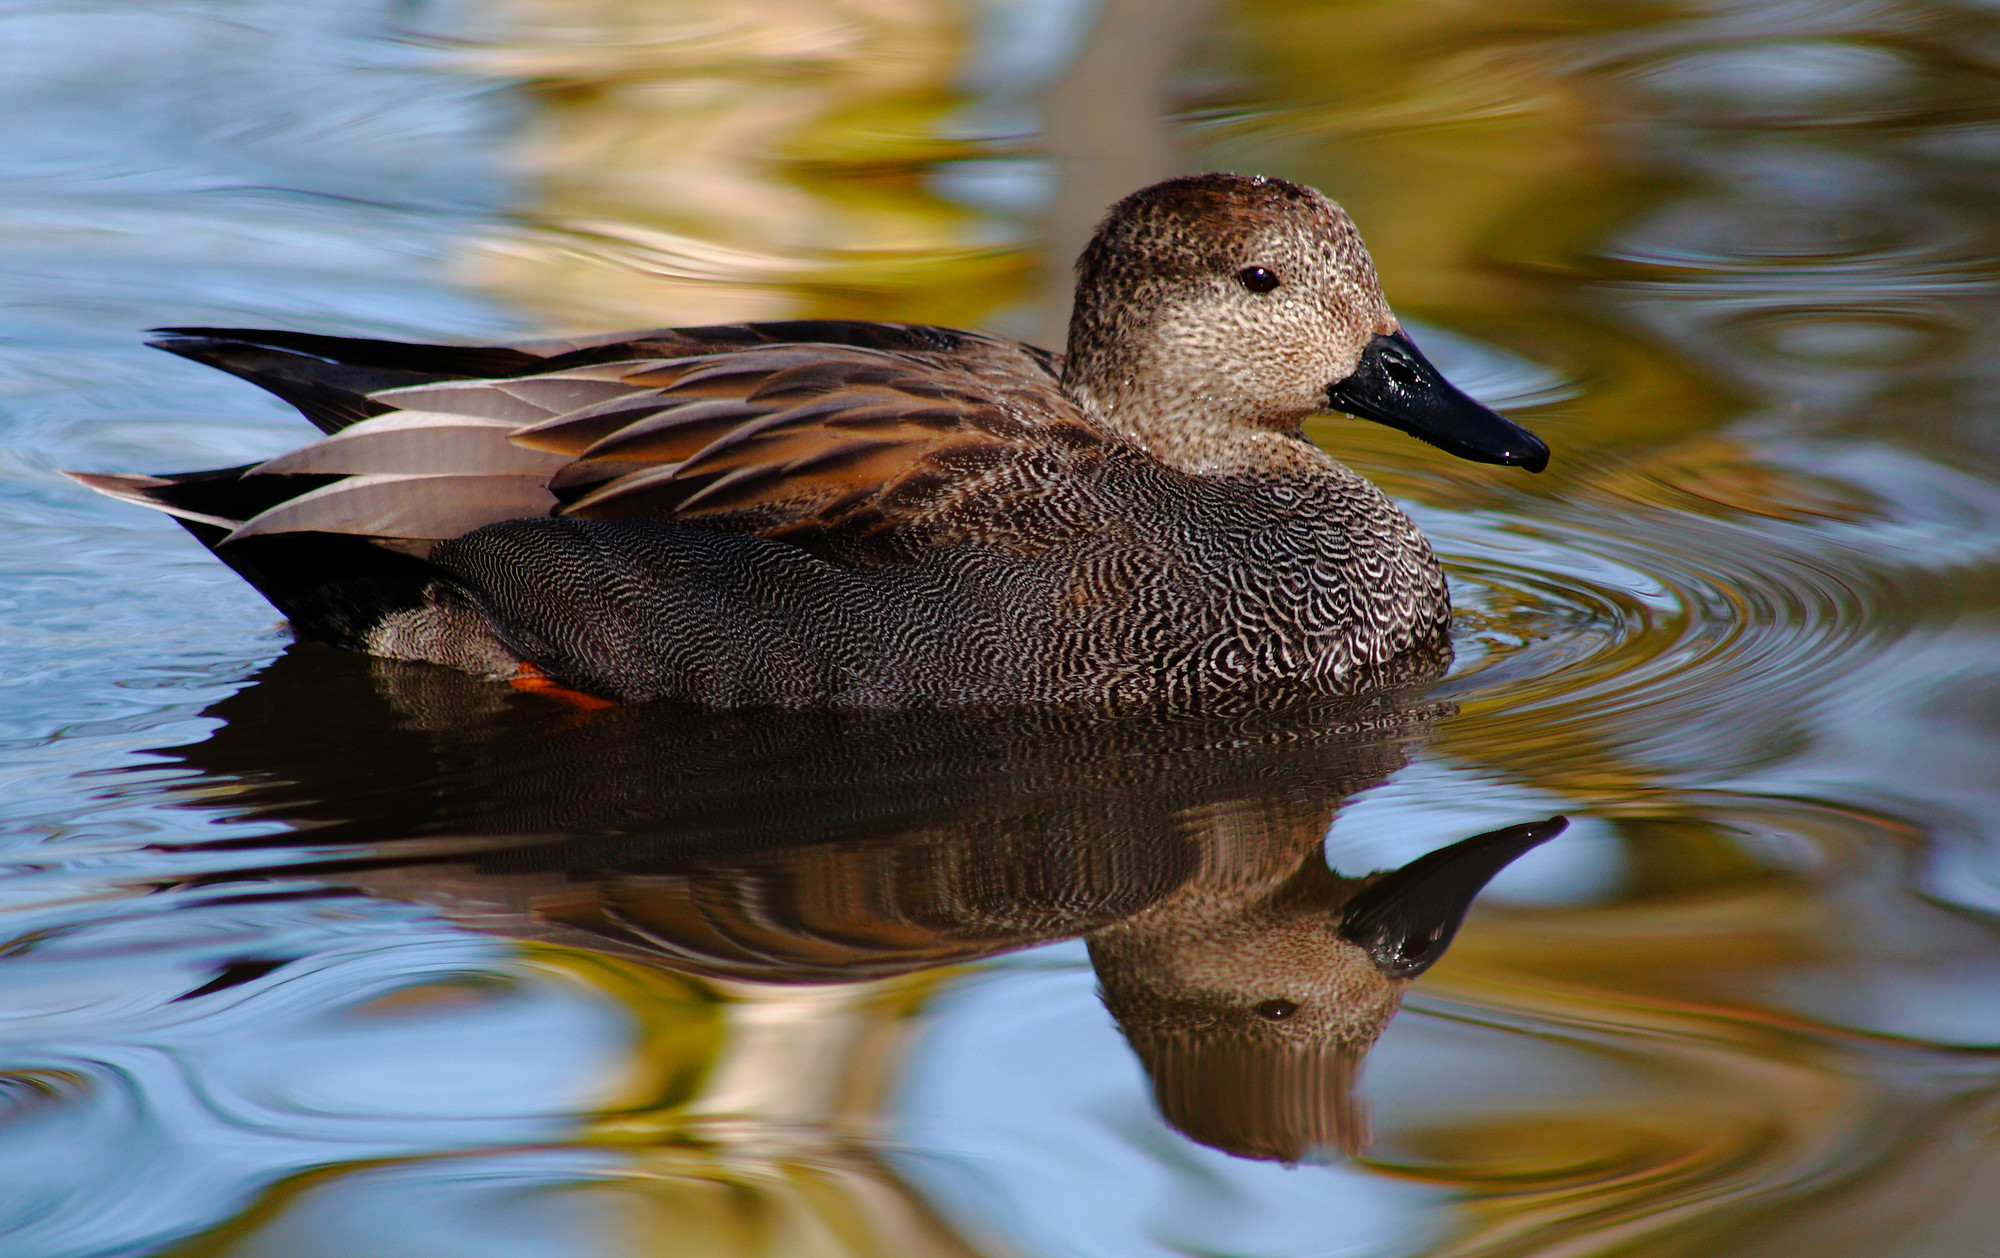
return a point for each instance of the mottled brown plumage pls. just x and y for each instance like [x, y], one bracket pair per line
[849, 514]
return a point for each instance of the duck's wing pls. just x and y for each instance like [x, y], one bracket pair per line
[875, 429]
[801, 440]
[329, 378]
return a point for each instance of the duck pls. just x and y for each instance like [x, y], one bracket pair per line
[835, 513]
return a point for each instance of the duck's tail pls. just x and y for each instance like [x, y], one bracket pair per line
[329, 378]
[333, 587]
[305, 539]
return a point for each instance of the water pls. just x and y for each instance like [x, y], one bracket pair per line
[309, 954]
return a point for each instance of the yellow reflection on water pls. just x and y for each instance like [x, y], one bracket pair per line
[750, 1120]
[697, 163]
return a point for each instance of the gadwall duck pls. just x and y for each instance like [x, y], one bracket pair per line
[846, 514]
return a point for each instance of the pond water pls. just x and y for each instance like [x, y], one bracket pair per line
[303, 953]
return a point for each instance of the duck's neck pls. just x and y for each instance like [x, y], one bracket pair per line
[1193, 430]
[1156, 386]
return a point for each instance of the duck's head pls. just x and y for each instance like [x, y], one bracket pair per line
[1252, 1016]
[1215, 313]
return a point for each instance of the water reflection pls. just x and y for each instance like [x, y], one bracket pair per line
[1185, 848]
[1739, 255]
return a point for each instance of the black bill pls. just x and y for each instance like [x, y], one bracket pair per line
[1395, 385]
[1406, 919]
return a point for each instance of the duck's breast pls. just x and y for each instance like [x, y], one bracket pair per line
[1268, 579]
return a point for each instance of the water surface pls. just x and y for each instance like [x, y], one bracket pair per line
[311, 954]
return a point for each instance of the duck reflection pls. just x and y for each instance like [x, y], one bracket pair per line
[1251, 992]
[1186, 849]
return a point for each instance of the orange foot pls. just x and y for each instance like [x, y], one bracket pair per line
[532, 679]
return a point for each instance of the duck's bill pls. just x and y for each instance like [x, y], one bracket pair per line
[1395, 385]
[1406, 919]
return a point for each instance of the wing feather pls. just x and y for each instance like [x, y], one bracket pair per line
[418, 442]
[522, 401]
[803, 438]
[142, 490]
[678, 433]
[808, 429]
[404, 506]
[574, 432]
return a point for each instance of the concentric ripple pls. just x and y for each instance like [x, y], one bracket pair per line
[187, 1048]
[1701, 638]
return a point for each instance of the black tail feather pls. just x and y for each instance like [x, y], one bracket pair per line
[333, 587]
[461, 362]
[228, 493]
[329, 377]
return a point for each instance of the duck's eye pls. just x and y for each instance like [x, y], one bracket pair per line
[1277, 1010]
[1258, 279]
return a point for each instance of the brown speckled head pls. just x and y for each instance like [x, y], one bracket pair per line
[1253, 993]
[1252, 1026]
[1277, 971]
[1212, 314]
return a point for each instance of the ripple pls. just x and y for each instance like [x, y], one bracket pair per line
[1697, 639]
[1742, 1115]
[392, 1035]
[1684, 633]
[26, 1095]
[1776, 241]
[1812, 82]
[1826, 337]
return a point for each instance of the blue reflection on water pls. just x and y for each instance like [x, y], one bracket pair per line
[302, 164]
[382, 1033]
[1037, 1128]
[296, 164]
